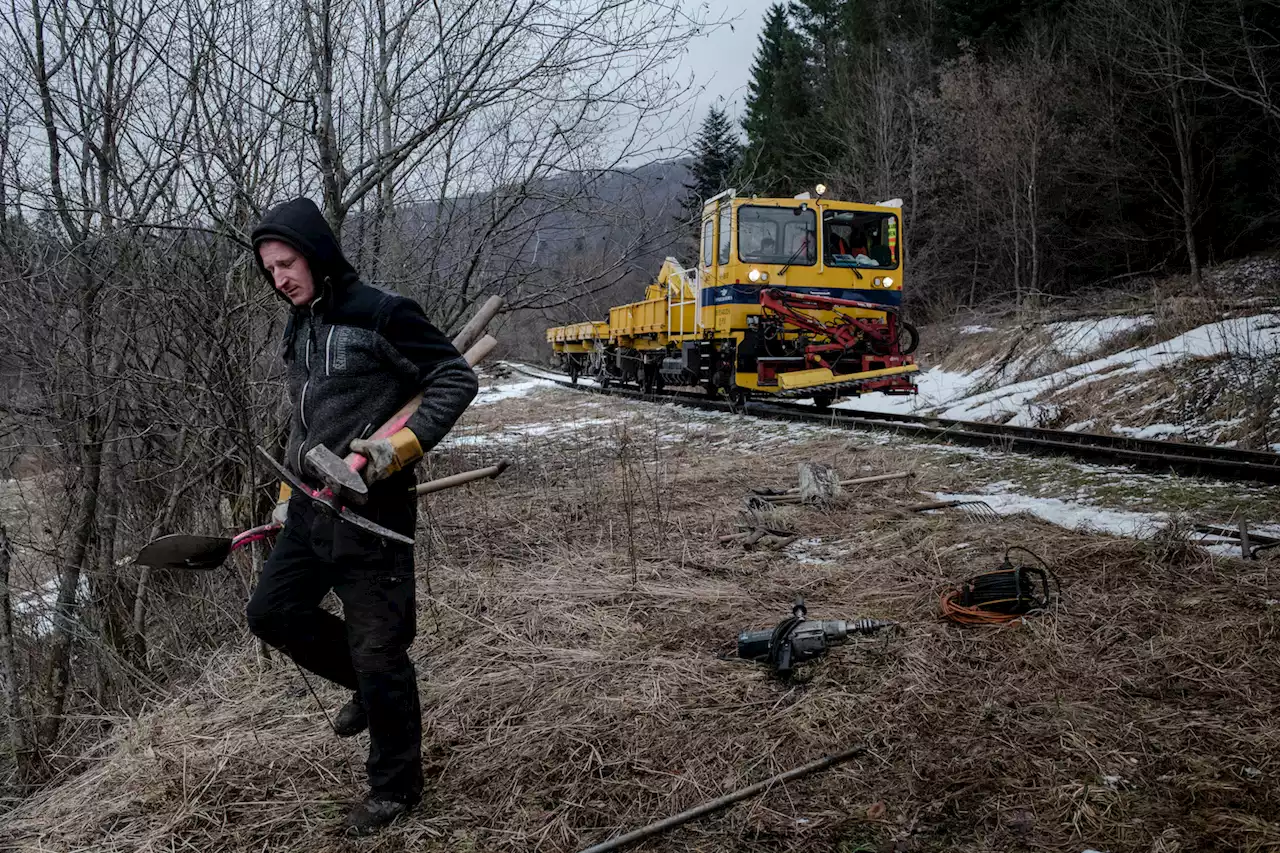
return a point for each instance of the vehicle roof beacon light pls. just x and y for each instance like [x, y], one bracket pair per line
[820, 189]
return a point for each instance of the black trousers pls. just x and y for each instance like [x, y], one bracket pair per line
[367, 652]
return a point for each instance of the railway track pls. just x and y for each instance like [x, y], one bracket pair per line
[1223, 463]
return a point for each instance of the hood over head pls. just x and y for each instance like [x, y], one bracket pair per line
[301, 224]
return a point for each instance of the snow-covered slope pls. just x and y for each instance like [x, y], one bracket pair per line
[1247, 337]
[1216, 382]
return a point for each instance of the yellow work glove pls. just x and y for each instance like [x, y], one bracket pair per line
[388, 455]
[281, 511]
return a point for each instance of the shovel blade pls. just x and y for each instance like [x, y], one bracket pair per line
[181, 551]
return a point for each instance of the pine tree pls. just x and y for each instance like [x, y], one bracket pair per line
[778, 111]
[715, 151]
[835, 34]
[830, 28]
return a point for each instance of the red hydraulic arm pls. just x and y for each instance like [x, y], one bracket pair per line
[843, 332]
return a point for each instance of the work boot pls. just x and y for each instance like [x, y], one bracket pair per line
[352, 719]
[373, 814]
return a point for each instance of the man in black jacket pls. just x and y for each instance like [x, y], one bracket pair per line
[354, 355]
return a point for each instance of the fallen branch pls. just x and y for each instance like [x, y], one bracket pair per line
[862, 481]
[724, 802]
[790, 496]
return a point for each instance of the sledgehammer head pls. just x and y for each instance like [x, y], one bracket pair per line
[336, 474]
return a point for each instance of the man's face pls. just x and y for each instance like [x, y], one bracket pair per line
[289, 271]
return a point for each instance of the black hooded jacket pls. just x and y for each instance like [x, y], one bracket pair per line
[355, 354]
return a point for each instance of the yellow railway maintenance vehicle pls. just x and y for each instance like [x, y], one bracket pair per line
[794, 297]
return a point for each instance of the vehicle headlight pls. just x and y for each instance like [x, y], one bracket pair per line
[877, 281]
[888, 281]
[754, 275]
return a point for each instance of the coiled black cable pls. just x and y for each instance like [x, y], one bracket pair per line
[1003, 595]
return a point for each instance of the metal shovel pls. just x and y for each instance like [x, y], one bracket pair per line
[184, 551]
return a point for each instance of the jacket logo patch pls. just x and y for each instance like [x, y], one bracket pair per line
[341, 348]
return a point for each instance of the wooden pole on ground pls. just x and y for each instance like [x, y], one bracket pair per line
[724, 802]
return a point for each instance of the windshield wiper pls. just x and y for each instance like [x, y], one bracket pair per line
[804, 244]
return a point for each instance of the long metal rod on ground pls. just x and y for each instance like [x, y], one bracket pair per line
[724, 802]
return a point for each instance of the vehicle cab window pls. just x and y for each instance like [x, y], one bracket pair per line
[726, 232]
[777, 235]
[860, 239]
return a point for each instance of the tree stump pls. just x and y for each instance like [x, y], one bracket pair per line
[819, 483]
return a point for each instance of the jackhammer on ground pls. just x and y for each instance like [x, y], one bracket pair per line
[797, 639]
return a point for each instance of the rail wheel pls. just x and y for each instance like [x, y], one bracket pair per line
[908, 338]
[823, 401]
[650, 380]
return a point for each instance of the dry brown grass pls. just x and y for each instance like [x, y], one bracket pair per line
[575, 655]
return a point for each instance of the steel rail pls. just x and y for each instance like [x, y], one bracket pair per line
[1223, 463]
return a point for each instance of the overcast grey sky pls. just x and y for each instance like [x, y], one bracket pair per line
[720, 62]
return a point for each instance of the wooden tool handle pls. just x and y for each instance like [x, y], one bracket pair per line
[459, 479]
[476, 325]
[931, 505]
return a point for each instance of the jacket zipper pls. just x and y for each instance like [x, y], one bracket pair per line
[328, 341]
[302, 398]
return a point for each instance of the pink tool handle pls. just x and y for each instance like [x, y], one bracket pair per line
[256, 534]
[356, 461]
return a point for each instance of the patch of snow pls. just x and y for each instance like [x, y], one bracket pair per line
[498, 393]
[37, 605]
[937, 387]
[518, 432]
[975, 330]
[1227, 424]
[465, 440]
[1151, 407]
[1079, 338]
[1152, 431]
[1073, 515]
[550, 375]
[1225, 548]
